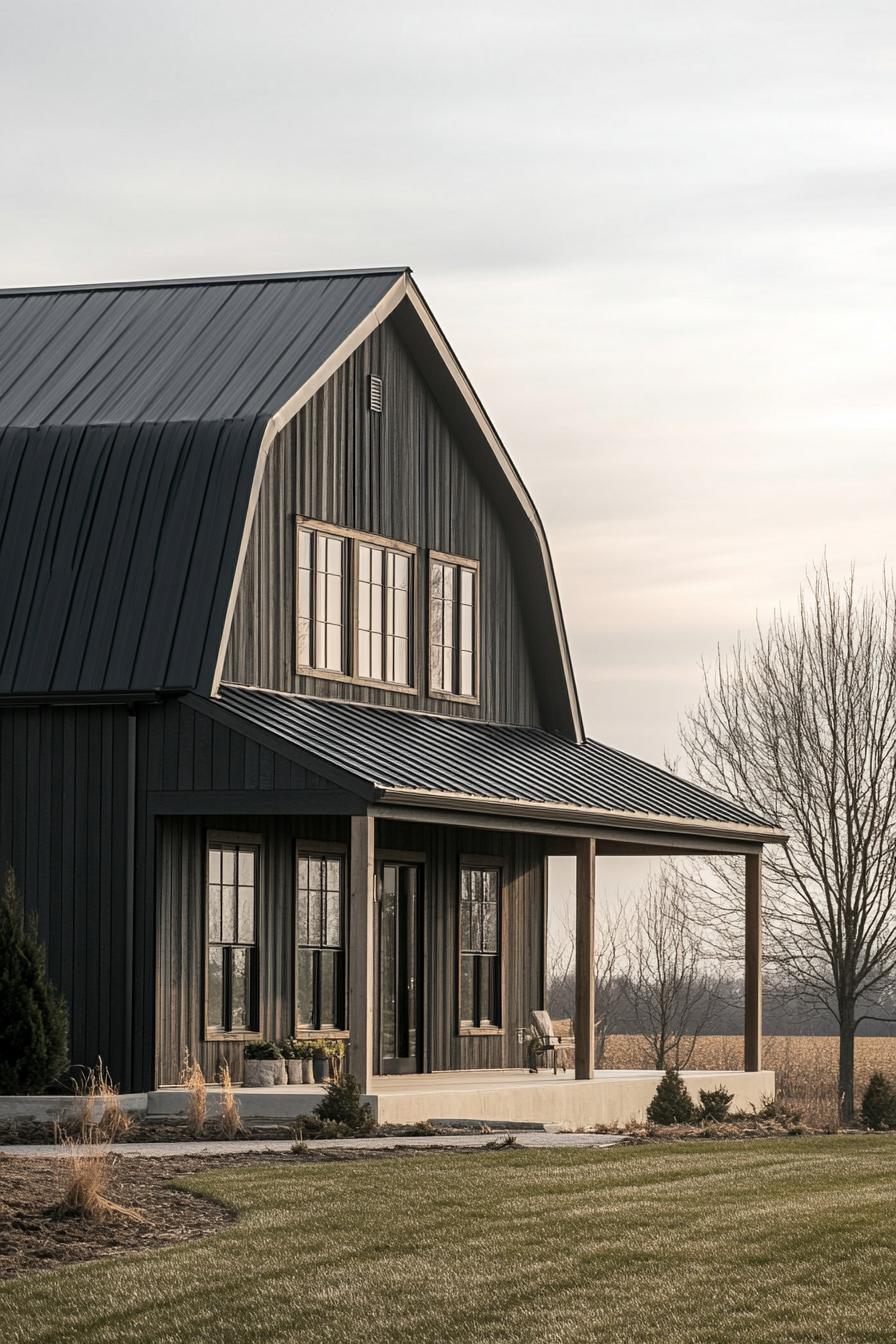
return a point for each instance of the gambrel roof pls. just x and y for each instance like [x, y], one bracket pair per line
[135, 421]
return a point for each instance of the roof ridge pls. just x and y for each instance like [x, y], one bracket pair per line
[187, 281]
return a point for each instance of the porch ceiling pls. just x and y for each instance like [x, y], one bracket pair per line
[403, 758]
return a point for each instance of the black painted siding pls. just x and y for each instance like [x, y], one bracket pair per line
[398, 474]
[63, 828]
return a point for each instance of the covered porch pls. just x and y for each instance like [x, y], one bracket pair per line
[409, 805]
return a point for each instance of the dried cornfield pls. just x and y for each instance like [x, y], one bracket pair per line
[805, 1066]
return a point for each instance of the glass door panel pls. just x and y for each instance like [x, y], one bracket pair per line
[399, 957]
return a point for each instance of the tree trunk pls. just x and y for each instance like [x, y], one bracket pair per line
[846, 1071]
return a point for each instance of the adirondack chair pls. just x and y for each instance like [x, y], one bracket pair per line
[545, 1039]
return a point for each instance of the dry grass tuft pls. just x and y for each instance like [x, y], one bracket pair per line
[231, 1124]
[88, 1170]
[193, 1079]
[97, 1111]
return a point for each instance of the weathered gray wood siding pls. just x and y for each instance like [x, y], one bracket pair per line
[399, 474]
[188, 760]
[63, 829]
[523, 894]
[180, 950]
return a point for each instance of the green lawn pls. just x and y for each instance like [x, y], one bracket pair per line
[781, 1240]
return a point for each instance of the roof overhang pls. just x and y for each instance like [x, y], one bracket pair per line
[652, 822]
[623, 831]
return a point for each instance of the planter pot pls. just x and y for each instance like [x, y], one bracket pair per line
[307, 1070]
[294, 1070]
[321, 1070]
[264, 1072]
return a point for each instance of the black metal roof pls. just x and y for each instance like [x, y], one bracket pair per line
[131, 420]
[404, 752]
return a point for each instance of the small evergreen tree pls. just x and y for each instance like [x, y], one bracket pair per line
[671, 1103]
[33, 1014]
[715, 1104]
[879, 1103]
[341, 1104]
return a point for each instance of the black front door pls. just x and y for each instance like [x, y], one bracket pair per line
[400, 942]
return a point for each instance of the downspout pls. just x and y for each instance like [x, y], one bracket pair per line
[129, 893]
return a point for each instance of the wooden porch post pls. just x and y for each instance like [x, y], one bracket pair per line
[584, 958]
[753, 964]
[362, 899]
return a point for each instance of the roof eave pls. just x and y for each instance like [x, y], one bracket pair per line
[641, 821]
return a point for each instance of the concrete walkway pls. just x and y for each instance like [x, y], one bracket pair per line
[218, 1148]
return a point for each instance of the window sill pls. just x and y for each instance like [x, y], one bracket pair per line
[310, 1034]
[211, 1036]
[347, 679]
[481, 1031]
[454, 695]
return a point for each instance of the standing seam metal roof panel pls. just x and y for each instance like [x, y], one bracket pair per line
[131, 420]
[401, 749]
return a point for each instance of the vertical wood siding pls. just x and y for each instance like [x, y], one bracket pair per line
[180, 947]
[397, 474]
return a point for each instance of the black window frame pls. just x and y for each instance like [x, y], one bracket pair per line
[458, 565]
[485, 966]
[316, 951]
[225, 1029]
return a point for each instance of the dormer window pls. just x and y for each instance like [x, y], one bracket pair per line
[453, 626]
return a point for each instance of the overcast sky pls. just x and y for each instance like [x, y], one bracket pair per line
[660, 237]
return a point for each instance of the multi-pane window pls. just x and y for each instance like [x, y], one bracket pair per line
[322, 571]
[232, 969]
[384, 614]
[320, 969]
[452, 627]
[480, 947]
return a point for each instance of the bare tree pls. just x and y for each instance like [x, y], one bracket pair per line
[801, 727]
[561, 984]
[667, 983]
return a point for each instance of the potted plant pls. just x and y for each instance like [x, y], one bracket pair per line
[320, 1055]
[264, 1065]
[297, 1053]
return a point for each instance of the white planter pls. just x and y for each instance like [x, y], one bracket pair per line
[264, 1072]
[294, 1070]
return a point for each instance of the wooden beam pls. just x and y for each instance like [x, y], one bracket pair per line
[584, 958]
[753, 964]
[609, 840]
[362, 904]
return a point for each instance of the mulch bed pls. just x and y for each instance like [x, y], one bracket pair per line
[175, 1131]
[33, 1237]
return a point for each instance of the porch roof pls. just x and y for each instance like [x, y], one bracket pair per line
[405, 757]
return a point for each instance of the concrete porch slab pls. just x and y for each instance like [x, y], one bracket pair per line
[513, 1096]
[613, 1097]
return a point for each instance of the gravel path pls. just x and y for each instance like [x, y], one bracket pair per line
[216, 1148]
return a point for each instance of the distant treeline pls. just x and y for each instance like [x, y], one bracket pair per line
[783, 1013]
